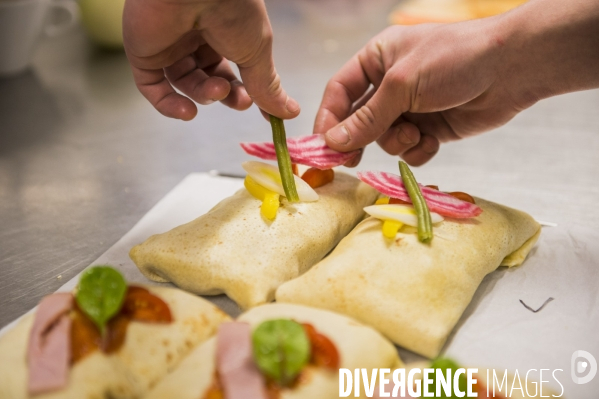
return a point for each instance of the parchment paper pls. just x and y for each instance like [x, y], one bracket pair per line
[496, 331]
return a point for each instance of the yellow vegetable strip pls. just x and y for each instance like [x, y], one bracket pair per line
[270, 205]
[390, 228]
[270, 199]
[254, 188]
[382, 201]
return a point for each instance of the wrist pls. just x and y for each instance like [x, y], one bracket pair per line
[550, 48]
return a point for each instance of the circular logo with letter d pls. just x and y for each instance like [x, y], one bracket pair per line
[584, 367]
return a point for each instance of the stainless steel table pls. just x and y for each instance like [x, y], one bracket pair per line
[83, 156]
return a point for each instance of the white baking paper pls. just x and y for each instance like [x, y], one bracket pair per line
[496, 331]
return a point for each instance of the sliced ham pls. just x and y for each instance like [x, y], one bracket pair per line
[49, 348]
[437, 201]
[306, 150]
[239, 376]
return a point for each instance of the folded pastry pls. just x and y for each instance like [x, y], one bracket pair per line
[415, 293]
[243, 360]
[59, 352]
[234, 249]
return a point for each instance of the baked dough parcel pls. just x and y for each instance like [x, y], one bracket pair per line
[414, 293]
[359, 346]
[232, 249]
[148, 353]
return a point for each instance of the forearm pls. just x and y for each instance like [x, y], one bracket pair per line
[551, 48]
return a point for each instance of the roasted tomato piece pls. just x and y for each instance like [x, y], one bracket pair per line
[317, 177]
[462, 196]
[324, 352]
[141, 305]
[85, 337]
[116, 331]
[398, 201]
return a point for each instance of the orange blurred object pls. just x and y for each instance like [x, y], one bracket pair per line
[324, 352]
[317, 177]
[462, 196]
[412, 12]
[397, 201]
[141, 305]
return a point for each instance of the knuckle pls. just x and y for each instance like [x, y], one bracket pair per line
[397, 79]
[365, 116]
[273, 89]
[267, 36]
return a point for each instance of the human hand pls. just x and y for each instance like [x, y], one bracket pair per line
[432, 84]
[186, 44]
[437, 83]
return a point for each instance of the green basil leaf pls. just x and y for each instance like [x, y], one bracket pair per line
[100, 294]
[281, 349]
[445, 364]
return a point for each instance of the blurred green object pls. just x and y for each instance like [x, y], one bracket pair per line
[102, 20]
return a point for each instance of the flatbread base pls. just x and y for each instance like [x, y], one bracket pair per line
[150, 351]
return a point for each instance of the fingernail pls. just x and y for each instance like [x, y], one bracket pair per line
[429, 148]
[208, 102]
[291, 105]
[403, 137]
[339, 135]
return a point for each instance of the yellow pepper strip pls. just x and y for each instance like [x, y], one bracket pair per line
[382, 201]
[390, 228]
[254, 188]
[270, 199]
[270, 205]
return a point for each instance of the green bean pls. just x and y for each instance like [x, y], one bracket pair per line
[283, 159]
[425, 225]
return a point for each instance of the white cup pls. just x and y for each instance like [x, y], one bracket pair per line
[23, 22]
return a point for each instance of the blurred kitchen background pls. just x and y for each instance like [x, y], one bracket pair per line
[83, 156]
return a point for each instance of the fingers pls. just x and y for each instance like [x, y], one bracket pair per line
[151, 81]
[433, 123]
[241, 32]
[154, 86]
[399, 138]
[206, 77]
[371, 120]
[423, 152]
[346, 87]
[406, 140]
[215, 65]
[195, 83]
[263, 84]
[238, 97]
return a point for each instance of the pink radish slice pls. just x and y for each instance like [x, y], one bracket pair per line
[437, 201]
[306, 150]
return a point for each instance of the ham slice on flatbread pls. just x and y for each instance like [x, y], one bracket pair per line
[149, 352]
[358, 346]
[412, 292]
[233, 250]
[48, 351]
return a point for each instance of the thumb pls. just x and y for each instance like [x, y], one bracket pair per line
[263, 84]
[243, 34]
[371, 120]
